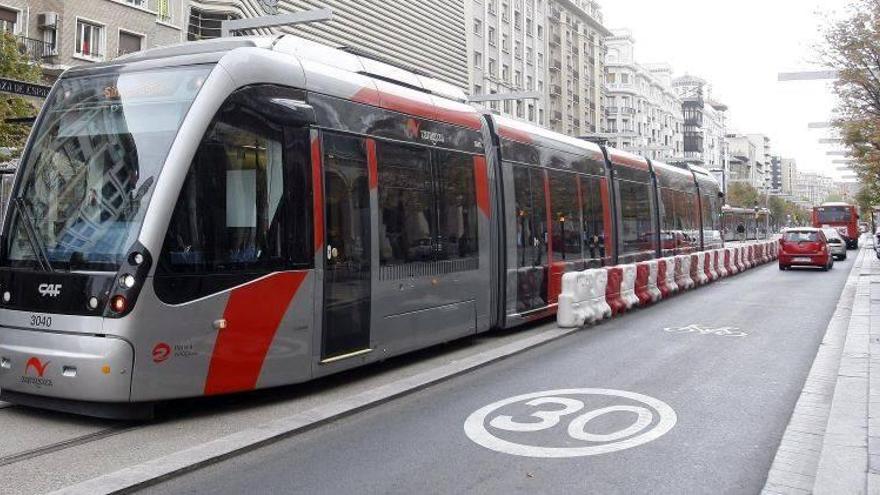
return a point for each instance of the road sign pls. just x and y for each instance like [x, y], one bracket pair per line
[24, 88]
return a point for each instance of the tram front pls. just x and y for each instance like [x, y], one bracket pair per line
[71, 259]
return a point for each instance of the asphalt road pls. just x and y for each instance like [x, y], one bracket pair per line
[718, 372]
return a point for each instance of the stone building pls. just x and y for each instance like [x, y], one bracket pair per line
[59, 34]
[643, 115]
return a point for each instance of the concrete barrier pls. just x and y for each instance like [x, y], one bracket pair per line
[612, 290]
[683, 272]
[653, 280]
[643, 275]
[670, 276]
[628, 286]
[698, 268]
[582, 299]
[721, 257]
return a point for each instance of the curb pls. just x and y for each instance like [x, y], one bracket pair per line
[809, 458]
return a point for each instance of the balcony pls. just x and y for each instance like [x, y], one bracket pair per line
[35, 50]
[556, 115]
[555, 65]
[555, 90]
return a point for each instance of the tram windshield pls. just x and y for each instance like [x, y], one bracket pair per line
[834, 214]
[89, 175]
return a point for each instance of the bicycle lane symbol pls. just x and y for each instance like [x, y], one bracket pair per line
[703, 330]
[540, 415]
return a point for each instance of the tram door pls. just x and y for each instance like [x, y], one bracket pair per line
[347, 251]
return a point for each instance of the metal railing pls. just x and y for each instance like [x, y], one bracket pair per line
[36, 50]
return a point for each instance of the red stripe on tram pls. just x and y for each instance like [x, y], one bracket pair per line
[318, 193]
[253, 314]
[481, 175]
[372, 164]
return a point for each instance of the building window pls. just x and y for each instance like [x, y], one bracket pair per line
[540, 32]
[478, 59]
[8, 20]
[491, 36]
[89, 40]
[478, 90]
[204, 25]
[129, 43]
[505, 72]
[492, 66]
[478, 27]
[137, 3]
[163, 10]
[505, 42]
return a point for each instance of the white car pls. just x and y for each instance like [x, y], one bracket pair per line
[836, 243]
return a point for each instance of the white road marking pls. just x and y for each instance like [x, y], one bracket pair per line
[634, 435]
[702, 330]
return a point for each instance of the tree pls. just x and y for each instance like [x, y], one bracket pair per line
[741, 195]
[14, 64]
[852, 47]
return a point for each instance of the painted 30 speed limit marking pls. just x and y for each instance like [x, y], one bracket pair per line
[555, 423]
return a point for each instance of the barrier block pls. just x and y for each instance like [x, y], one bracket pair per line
[653, 280]
[663, 278]
[643, 275]
[612, 290]
[709, 267]
[572, 310]
[740, 258]
[683, 272]
[628, 286]
[597, 301]
[670, 275]
[721, 263]
[698, 268]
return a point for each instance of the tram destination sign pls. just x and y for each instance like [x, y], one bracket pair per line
[24, 88]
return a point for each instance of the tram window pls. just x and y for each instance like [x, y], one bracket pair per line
[244, 207]
[594, 218]
[637, 233]
[531, 220]
[566, 216]
[457, 205]
[407, 212]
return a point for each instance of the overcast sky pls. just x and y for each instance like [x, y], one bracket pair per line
[740, 47]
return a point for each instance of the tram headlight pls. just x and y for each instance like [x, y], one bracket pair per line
[93, 302]
[118, 304]
[136, 259]
[127, 281]
[7, 296]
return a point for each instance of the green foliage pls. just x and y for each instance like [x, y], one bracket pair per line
[852, 47]
[741, 195]
[14, 64]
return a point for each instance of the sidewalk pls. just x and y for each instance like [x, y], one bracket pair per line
[832, 442]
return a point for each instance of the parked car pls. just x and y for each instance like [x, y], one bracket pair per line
[804, 246]
[836, 243]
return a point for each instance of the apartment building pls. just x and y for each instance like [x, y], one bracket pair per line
[576, 66]
[789, 172]
[508, 43]
[427, 36]
[59, 34]
[643, 115]
[704, 123]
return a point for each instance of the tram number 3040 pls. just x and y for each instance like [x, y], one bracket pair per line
[41, 321]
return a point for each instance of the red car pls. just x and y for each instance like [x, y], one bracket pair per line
[804, 247]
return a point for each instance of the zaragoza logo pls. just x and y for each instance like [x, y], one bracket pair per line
[39, 369]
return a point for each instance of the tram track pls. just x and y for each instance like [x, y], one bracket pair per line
[65, 444]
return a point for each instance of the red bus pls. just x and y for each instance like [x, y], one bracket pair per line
[841, 216]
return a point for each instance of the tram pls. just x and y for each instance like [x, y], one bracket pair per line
[237, 214]
[744, 224]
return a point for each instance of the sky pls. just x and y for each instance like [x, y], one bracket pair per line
[739, 48]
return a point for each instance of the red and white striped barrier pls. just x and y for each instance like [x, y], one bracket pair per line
[592, 295]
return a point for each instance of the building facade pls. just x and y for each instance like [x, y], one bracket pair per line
[642, 113]
[812, 189]
[742, 156]
[59, 34]
[789, 172]
[704, 126]
[508, 42]
[428, 36]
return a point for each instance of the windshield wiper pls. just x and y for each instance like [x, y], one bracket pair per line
[30, 229]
